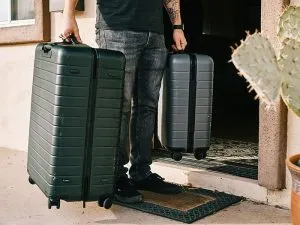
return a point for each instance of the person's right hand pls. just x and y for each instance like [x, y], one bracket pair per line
[70, 27]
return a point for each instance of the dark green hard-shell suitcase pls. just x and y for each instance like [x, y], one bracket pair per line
[75, 119]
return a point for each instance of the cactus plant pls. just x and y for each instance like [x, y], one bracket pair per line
[271, 76]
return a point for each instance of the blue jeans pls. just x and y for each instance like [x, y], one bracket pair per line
[145, 55]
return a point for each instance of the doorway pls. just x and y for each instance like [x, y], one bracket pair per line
[211, 27]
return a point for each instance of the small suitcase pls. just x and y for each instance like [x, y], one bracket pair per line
[187, 104]
[75, 116]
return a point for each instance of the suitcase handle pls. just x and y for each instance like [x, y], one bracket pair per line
[72, 39]
[181, 52]
[178, 52]
[47, 47]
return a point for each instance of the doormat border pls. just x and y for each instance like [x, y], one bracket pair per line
[222, 200]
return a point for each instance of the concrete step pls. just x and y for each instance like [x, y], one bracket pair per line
[230, 184]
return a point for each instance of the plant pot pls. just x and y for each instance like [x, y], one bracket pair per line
[295, 201]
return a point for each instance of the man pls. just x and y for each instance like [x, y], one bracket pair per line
[135, 27]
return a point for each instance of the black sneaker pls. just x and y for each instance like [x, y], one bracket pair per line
[156, 183]
[126, 192]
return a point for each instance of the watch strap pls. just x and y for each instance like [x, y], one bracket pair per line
[178, 27]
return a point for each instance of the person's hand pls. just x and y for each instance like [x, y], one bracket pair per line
[70, 27]
[179, 40]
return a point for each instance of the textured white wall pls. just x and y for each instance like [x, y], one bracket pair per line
[16, 66]
[16, 69]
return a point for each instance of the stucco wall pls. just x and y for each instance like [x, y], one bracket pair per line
[16, 67]
[273, 124]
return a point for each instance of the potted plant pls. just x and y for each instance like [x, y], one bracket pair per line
[272, 73]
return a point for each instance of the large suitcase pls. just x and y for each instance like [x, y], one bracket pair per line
[75, 116]
[187, 104]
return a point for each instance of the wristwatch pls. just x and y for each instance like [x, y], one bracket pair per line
[178, 27]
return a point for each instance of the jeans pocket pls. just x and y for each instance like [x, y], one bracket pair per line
[115, 39]
[100, 38]
[114, 35]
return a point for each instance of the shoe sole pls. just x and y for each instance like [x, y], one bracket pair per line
[131, 200]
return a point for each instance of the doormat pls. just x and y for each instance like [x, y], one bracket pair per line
[189, 206]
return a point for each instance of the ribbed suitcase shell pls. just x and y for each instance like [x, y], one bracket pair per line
[75, 118]
[176, 96]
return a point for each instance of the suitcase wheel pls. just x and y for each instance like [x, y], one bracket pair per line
[177, 156]
[31, 181]
[105, 202]
[53, 202]
[200, 153]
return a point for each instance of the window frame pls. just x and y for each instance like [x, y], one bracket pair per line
[13, 23]
[28, 31]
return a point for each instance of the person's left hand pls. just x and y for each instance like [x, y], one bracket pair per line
[179, 40]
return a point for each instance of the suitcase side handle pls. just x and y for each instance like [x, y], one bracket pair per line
[46, 48]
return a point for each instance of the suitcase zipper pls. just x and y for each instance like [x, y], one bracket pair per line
[192, 102]
[89, 132]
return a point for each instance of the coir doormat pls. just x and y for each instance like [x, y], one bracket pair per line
[189, 206]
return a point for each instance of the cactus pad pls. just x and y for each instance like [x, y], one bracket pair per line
[289, 24]
[289, 63]
[256, 60]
